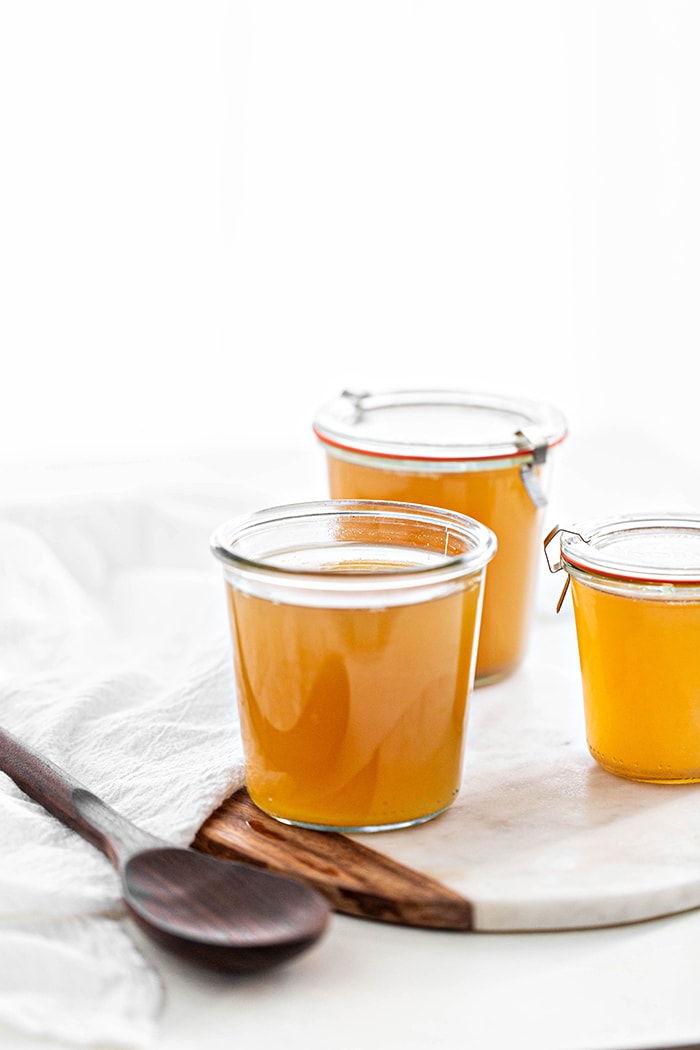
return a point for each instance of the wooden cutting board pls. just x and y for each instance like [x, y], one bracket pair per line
[539, 838]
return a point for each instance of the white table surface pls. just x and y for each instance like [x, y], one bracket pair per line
[375, 984]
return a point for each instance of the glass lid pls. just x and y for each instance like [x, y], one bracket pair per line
[438, 424]
[661, 548]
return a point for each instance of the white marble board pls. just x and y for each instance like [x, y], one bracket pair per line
[540, 837]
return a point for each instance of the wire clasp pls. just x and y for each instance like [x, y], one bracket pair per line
[528, 472]
[559, 564]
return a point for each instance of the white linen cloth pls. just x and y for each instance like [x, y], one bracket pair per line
[114, 664]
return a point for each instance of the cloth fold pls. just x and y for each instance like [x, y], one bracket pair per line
[114, 664]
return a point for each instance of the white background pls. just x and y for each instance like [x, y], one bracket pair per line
[217, 214]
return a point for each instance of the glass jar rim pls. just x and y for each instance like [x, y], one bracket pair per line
[648, 548]
[439, 425]
[482, 543]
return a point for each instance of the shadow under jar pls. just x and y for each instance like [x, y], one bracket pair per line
[354, 627]
[635, 585]
[482, 455]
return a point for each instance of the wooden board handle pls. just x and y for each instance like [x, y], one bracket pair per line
[357, 880]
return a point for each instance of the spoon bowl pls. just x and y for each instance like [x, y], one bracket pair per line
[237, 917]
[221, 914]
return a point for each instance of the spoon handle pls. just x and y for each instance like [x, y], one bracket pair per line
[66, 798]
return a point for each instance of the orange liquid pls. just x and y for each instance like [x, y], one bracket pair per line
[640, 667]
[498, 499]
[354, 718]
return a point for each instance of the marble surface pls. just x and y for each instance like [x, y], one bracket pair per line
[540, 837]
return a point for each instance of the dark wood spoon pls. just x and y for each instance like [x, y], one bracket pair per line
[217, 913]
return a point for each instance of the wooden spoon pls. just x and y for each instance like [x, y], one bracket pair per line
[217, 913]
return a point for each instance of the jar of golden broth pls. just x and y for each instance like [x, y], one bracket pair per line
[485, 456]
[635, 584]
[354, 628]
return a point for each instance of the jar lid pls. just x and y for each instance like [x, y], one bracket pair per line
[439, 425]
[654, 548]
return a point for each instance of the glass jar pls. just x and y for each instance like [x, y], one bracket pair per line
[635, 584]
[485, 456]
[354, 627]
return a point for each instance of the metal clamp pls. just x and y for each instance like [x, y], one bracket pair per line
[528, 473]
[355, 400]
[558, 564]
[547, 540]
